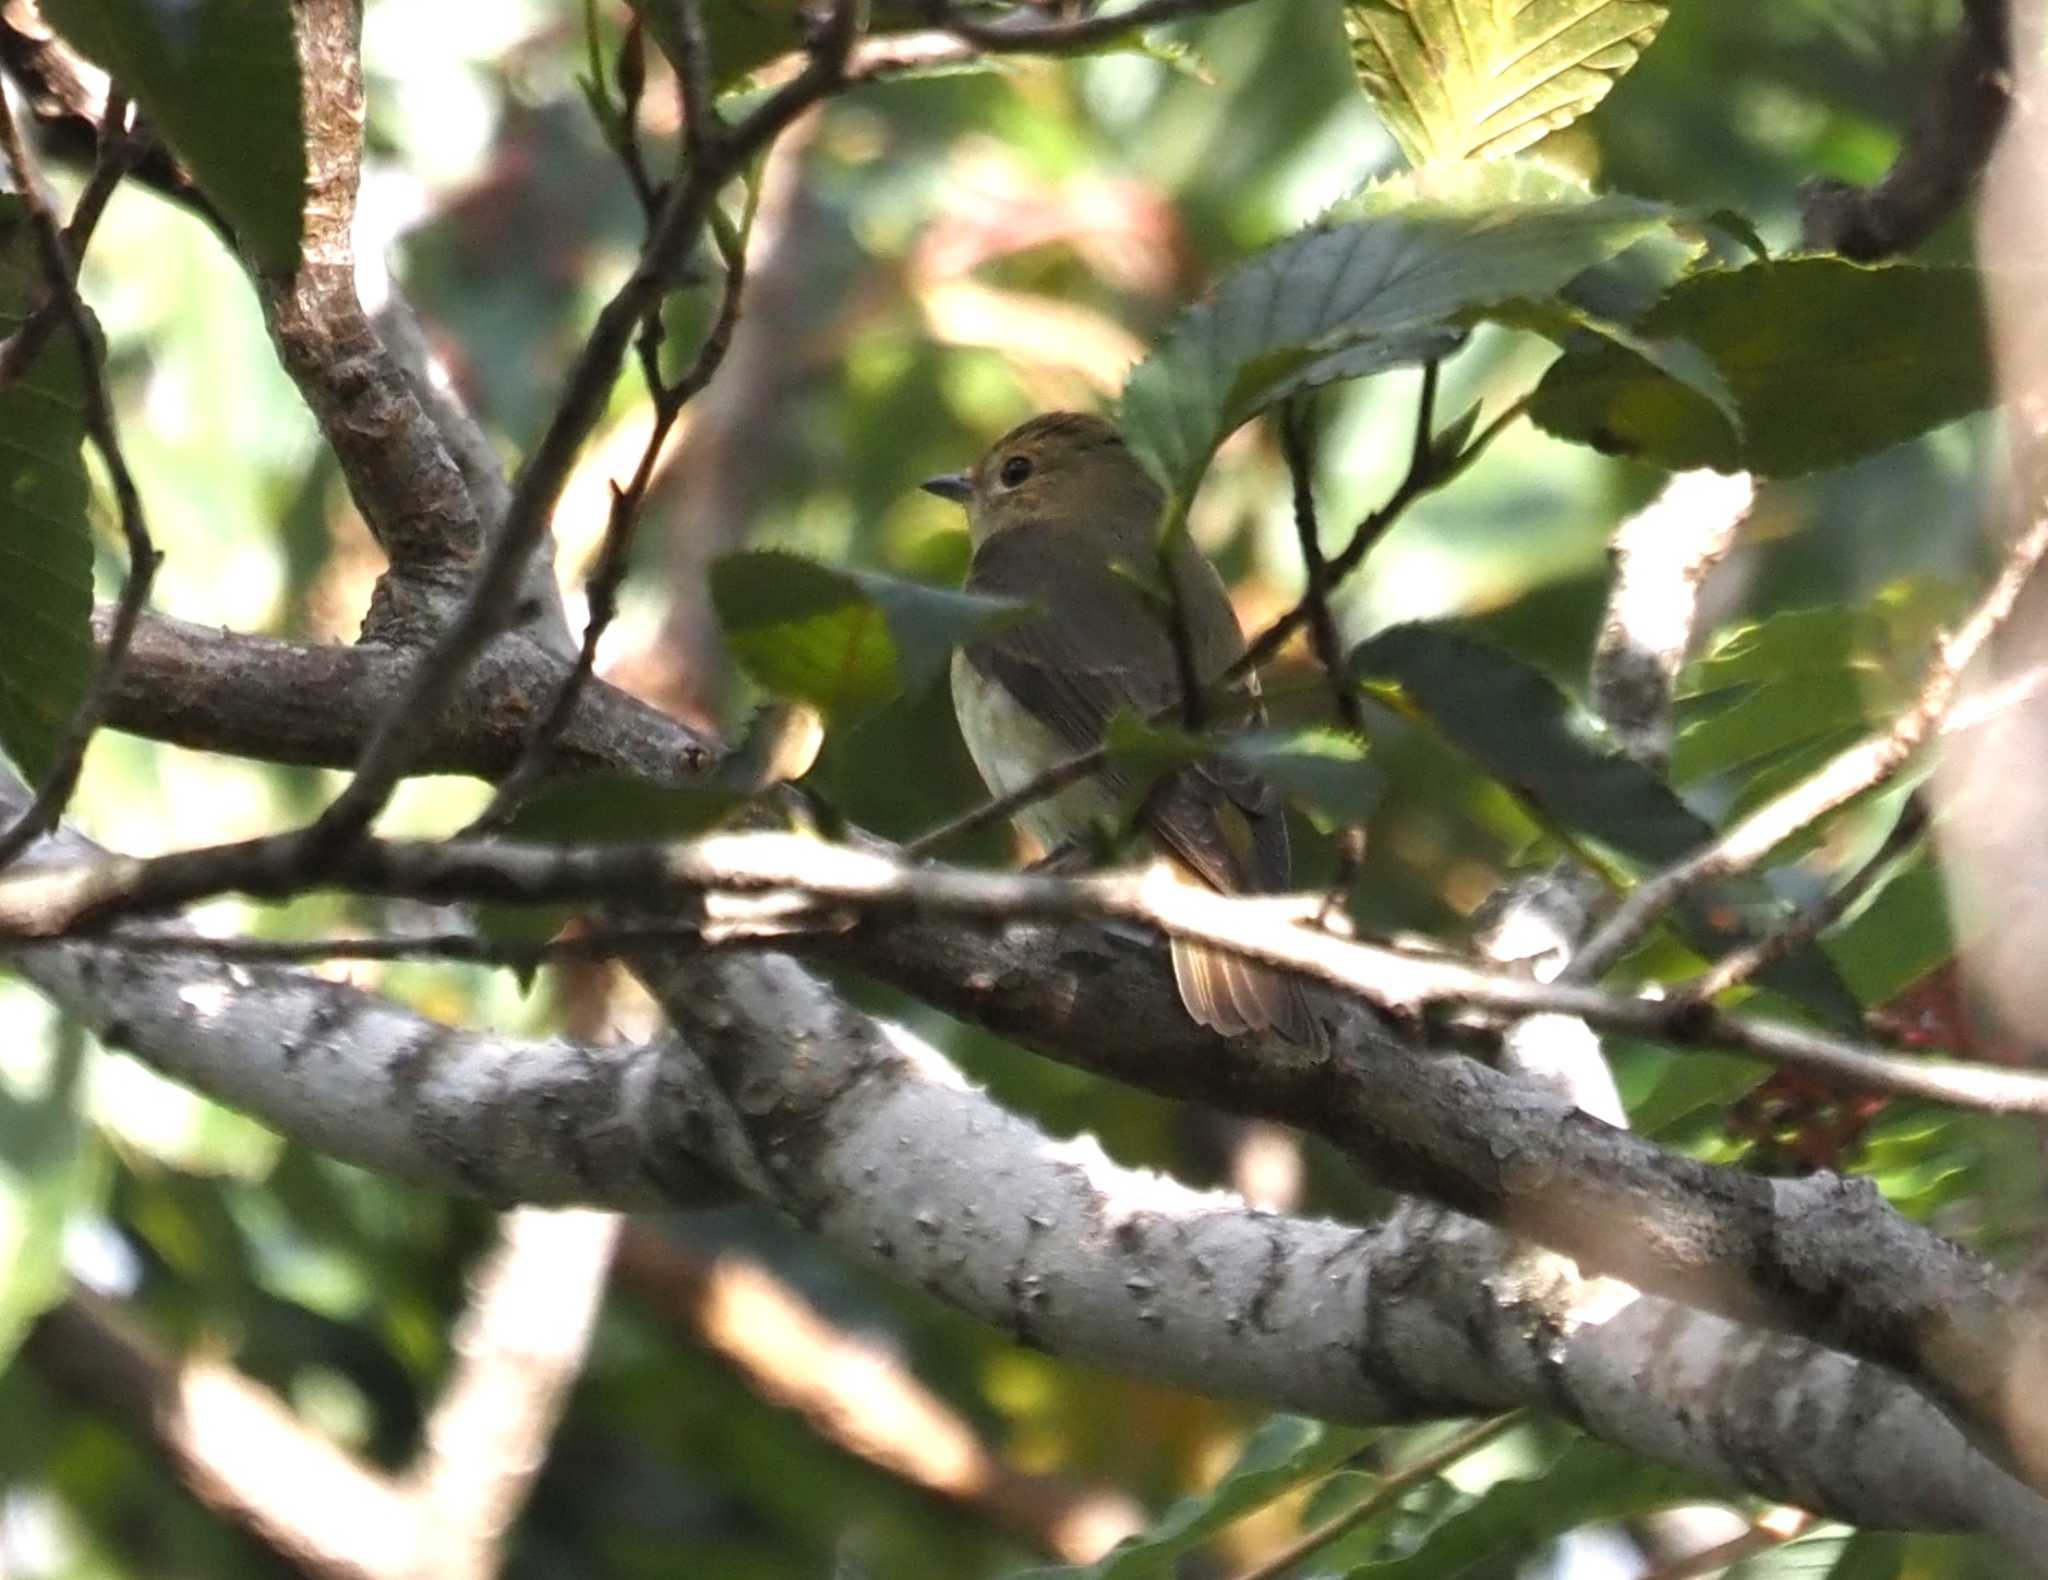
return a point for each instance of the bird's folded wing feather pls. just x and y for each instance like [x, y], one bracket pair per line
[1106, 649]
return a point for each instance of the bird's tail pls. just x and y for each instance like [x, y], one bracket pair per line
[1232, 995]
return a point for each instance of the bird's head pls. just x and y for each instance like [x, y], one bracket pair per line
[1064, 467]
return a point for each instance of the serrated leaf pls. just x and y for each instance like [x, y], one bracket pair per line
[1285, 1451]
[842, 641]
[220, 80]
[1460, 79]
[1829, 361]
[1778, 695]
[45, 540]
[1518, 727]
[1380, 283]
[1589, 1483]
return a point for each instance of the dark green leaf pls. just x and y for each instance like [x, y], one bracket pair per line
[220, 80]
[1323, 769]
[1526, 733]
[1828, 360]
[1285, 1451]
[1693, 1081]
[45, 543]
[1768, 719]
[842, 641]
[50, 1167]
[1573, 327]
[612, 808]
[1899, 936]
[1461, 79]
[1382, 282]
[1588, 1484]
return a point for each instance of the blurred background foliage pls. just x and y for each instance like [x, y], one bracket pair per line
[934, 261]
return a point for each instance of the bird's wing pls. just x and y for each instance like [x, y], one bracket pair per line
[1107, 650]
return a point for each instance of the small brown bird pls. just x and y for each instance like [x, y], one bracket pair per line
[1053, 509]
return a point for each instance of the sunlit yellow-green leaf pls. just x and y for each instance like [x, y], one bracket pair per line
[1461, 79]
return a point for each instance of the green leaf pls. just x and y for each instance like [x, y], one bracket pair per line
[45, 541]
[842, 641]
[1898, 936]
[1832, 1552]
[1575, 328]
[1381, 282]
[1461, 79]
[1828, 361]
[1517, 726]
[50, 1168]
[1778, 695]
[1693, 1081]
[1766, 720]
[220, 80]
[1589, 1483]
[1285, 1451]
[1325, 770]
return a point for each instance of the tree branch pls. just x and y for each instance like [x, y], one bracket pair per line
[1862, 767]
[1941, 159]
[256, 696]
[924, 1179]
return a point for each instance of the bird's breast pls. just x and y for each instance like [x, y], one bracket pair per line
[1011, 746]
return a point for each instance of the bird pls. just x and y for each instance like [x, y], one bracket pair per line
[1063, 517]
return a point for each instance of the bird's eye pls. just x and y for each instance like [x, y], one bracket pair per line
[1015, 470]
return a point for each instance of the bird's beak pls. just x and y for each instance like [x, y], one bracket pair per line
[956, 486]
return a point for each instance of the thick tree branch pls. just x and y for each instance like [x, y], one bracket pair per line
[257, 696]
[1942, 158]
[519, 1347]
[1661, 558]
[907, 1170]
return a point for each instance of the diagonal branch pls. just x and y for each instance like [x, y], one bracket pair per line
[1861, 768]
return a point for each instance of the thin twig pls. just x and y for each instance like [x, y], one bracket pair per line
[1862, 767]
[1759, 1538]
[1392, 1487]
[1740, 965]
[389, 752]
[615, 555]
[453, 947]
[118, 151]
[1051, 38]
[1322, 624]
[60, 266]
